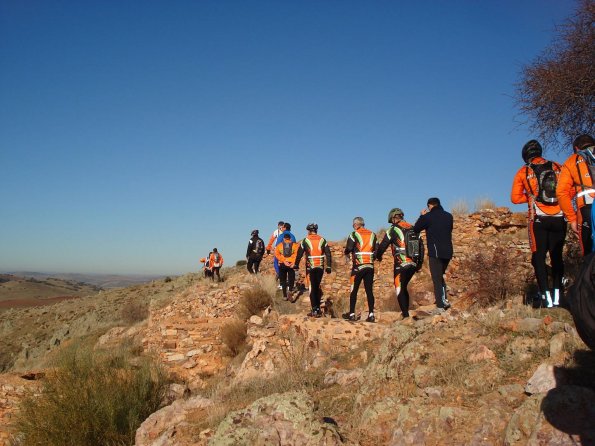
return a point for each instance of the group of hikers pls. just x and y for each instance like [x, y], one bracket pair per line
[556, 194]
[361, 250]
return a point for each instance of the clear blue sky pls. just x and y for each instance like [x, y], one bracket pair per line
[135, 136]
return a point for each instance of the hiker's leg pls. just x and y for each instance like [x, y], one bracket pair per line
[403, 294]
[283, 270]
[438, 280]
[357, 278]
[315, 280]
[557, 236]
[540, 233]
[369, 287]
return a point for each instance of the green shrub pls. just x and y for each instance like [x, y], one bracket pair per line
[241, 263]
[91, 398]
[233, 335]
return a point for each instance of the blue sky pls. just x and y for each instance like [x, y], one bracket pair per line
[135, 136]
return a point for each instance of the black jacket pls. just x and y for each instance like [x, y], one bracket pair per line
[251, 251]
[438, 226]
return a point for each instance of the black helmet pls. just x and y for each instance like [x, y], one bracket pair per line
[312, 227]
[255, 232]
[582, 142]
[393, 212]
[531, 150]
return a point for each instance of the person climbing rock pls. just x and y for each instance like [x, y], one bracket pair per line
[438, 225]
[216, 262]
[254, 252]
[576, 184]
[360, 248]
[318, 260]
[535, 184]
[286, 252]
[404, 266]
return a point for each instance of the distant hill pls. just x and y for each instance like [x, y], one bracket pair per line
[18, 291]
[104, 281]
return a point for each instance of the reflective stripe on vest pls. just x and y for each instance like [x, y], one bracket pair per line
[314, 247]
[364, 255]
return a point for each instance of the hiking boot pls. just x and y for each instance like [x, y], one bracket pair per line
[447, 305]
[289, 295]
[371, 318]
[349, 316]
[315, 313]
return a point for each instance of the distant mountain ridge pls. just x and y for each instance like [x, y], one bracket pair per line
[104, 281]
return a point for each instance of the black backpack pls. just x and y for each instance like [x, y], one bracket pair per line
[414, 246]
[581, 300]
[547, 180]
[287, 249]
[259, 247]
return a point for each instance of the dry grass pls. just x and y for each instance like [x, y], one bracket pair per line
[233, 335]
[91, 398]
[460, 208]
[135, 311]
[484, 203]
[255, 299]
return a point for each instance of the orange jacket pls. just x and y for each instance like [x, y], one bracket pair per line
[573, 180]
[281, 257]
[273, 239]
[213, 261]
[525, 184]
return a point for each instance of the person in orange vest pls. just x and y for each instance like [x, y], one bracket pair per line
[576, 184]
[535, 184]
[216, 262]
[318, 254]
[404, 267]
[285, 253]
[361, 245]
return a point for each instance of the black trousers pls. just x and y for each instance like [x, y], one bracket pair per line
[585, 229]
[286, 277]
[315, 291]
[549, 234]
[216, 271]
[367, 275]
[402, 278]
[253, 265]
[437, 269]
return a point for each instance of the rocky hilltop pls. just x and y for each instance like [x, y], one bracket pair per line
[492, 370]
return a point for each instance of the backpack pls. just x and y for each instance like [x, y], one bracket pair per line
[547, 180]
[217, 258]
[259, 247]
[414, 247]
[287, 249]
[581, 299]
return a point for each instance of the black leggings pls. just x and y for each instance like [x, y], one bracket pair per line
[404, 276]
[437, 270]
[585, 229]
[253, 265]
[286, 274]
[549, 234]
[315, 291]
[367, 275]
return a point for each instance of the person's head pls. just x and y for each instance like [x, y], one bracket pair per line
[583, 142]
[312, 227]
[287, 227]
[280, 225]
[254, 233]
[395, 215]
[214, 249]
[286, 237]
[531, 149]
[433, 202]
[358, 222]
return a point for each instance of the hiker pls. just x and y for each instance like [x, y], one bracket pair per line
[254, 252]
[360, 246]
[205, 265]
[273, 243]
[535, 184]
[576, 182]
[286, 252]
[404, 266]
[318, 254]
[438, 226]
[216, 262]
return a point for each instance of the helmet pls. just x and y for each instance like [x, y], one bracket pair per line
[393, 212]
[312, 227]
[531, 150]
[582, 142]
[253, 233]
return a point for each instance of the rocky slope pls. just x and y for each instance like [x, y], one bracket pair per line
[502, 374]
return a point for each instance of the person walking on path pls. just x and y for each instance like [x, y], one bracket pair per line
[535, 184]
[438, 225]
[286, 252]
[216, 262]
[206, 265]
[318, 255]
[361, 245]
[576, 183]
[273, 244]
[404, 267]
[254, 252]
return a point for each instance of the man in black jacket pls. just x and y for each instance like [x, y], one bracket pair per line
[438, 226]
[254, 252]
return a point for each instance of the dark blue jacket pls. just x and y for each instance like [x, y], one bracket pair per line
[438, 225]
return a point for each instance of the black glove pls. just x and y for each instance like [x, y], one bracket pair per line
[379, 258]
[328, 270]
[268, 251]
[296, 266]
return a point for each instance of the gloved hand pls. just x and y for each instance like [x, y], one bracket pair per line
[296, 266]
[268, 251]
[328, 270]
[379, 258]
